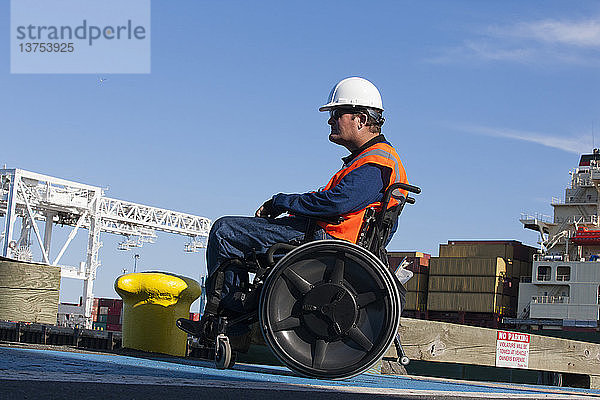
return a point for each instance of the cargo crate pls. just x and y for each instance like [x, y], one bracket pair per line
[466, 284]
[507, 249]
[467, 266]
[468, 302]
[418, 283]
[416, 301]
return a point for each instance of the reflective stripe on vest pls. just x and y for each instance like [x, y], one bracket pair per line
[381, 154]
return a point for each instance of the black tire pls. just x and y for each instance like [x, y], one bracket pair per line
[329, 309]
[224, 358]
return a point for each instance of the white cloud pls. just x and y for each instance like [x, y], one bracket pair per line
[573, 144]
[585, 33]
[536, 42]
[488, 51]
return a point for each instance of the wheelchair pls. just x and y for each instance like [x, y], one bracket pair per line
[327, 309]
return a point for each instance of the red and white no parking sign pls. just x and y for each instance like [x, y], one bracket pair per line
[512, 349]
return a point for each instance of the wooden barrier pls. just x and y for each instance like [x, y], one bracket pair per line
[29, 292]
[453, 343]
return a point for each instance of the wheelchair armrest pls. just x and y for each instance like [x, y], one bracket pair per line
[337, 219]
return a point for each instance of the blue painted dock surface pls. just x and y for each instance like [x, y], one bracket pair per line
[42, 373]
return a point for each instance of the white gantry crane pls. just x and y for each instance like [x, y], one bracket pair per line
[36, 197]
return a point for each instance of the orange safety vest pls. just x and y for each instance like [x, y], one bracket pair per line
[381, 154]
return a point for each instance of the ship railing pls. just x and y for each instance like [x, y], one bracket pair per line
[548, 257]
[550, 299]
[581, 182]
[538, 216]
[543, 277]
[580, 219]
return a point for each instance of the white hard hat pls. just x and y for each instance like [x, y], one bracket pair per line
[355, 91]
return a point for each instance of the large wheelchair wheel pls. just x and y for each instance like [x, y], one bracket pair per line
[329, 309]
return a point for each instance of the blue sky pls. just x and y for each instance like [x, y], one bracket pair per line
[488, 103]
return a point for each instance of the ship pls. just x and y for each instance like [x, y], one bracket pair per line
[563, 290]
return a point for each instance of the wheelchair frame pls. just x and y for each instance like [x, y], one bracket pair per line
[330, 307]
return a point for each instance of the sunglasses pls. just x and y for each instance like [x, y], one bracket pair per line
[336, 113]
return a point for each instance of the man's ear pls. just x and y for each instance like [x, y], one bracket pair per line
[362, 120]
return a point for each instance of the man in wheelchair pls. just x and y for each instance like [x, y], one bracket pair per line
[327, 236]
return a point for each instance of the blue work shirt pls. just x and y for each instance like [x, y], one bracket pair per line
[359, 188]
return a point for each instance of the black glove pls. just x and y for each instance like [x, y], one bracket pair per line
[267, 210]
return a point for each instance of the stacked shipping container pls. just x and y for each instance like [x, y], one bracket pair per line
[107, 314]
[476, 282]
[417, 286]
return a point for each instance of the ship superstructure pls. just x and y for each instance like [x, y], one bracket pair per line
[563, 289]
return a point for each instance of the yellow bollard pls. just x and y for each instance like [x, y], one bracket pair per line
[152, 302]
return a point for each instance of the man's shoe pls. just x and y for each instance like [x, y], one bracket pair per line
[189, 326]
[204, 330]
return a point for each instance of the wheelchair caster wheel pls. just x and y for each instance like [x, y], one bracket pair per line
[224, 356]
[404, 360]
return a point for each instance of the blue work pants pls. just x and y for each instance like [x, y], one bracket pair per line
[240, 237]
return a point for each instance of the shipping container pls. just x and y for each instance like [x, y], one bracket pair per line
[467, 302]
[522, 268]
[525, 253]
[408, 254]
[416, 301]
[476, 249]
[106, 302]
[418, 269]
[466, 284]
[418, 283]
[507, 249]
[486, 320]
[416, 259]
[116, 310]
[113, 327]
[467, 266]
[113, 319]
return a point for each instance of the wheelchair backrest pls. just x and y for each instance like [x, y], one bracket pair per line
[378, 224]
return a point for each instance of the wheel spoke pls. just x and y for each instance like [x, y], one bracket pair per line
[359, 337]
[320, 348]
[364, 299]
[286, 324]
[337, 274]
[298, 282]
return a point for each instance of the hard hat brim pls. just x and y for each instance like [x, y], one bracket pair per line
[330, 106]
